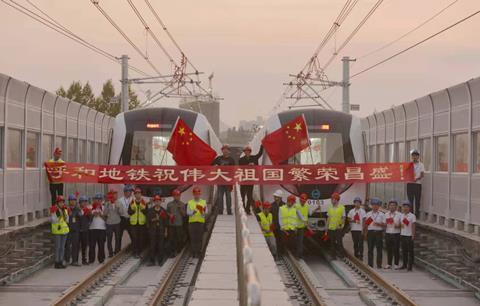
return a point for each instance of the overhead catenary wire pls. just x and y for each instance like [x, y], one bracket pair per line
[415, 45]
[59, 28]
[353, 33]
[409, 32]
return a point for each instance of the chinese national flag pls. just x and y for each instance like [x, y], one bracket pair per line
[287, 140]
[187, 148]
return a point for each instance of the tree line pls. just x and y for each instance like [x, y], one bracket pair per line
[107, 102]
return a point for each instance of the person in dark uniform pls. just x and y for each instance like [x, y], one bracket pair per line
[276, 204]
[157, 220]
[73, 239]
[246, 191]
[85, 219]
[224, 190]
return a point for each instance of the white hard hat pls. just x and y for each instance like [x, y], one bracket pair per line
[278, 193]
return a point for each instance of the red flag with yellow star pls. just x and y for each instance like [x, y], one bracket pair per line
[187, 148]
[287, 141]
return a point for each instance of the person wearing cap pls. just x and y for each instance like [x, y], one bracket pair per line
[59, 226]
[224, 190]
[392, 234]
[414, 189]
[124, 202]
[113, 213]
[157, 220]
[265, 218]
[176, 210]
[373, 231]
[288, 217]
[196, 210]
[137, 211]
[73, 238]
[246, 191]
[85, 219]
[56, 189]
[305, 210]
[97, 232]
[356, 218]
[407, 235]
[276, 204]
[335, 222]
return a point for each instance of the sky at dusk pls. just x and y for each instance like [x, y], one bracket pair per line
[251, 46]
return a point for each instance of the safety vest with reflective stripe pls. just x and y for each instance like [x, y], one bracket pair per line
[288, 215]
[335, 216]
[61, 226]
[266, 223]
[138, 217]
[303, 209]
[56, 161]
[197, 215]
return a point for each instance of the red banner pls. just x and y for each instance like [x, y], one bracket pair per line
[228, 175]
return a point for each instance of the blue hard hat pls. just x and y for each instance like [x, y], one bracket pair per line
[406, 202]
[98, 196]
[128, 188]
[375, 201]
[83, 199]
[393, 200]
[72, 197]
[357, 199]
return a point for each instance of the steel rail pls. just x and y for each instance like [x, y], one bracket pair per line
[73, 292]
[392, 290]
[312, 291]
[160, 292]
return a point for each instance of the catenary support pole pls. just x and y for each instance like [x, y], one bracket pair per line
[346, 84]
[124, 96]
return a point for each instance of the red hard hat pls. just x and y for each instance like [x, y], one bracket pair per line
[291, 198]
[57, 151]
[336, 196]
[303, 197]
[226, 146]
[176, 193]
[267, 205]
[59, 199]
[138, 190]
[197, 190]
[157, 198]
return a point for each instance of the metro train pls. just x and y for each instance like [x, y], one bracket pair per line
[335, 137]
[140, 137]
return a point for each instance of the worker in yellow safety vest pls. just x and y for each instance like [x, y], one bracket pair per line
[335, 223]
[59, 221]
[288, 217]
[266, 223]
[56, 189]
[137, 212]
[196, 212]
[305, 210]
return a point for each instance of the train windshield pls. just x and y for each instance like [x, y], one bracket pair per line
[326, 148]
[150, 148]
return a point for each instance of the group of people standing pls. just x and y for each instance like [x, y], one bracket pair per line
[80, 225]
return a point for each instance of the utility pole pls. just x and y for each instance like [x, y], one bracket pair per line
[124, 97]
[346, 84]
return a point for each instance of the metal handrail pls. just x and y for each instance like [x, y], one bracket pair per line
[250, 291]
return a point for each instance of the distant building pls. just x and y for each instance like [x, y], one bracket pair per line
[207, 106]
[251, 125]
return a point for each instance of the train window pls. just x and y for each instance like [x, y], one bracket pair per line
[150, 148]
[390, 152]
[401, 152]
[460, 152]
[72, 150]
[14, 152]
[32, 150]
[442, 153]
[381, 153]
[477, 152]
[426, 153]
[47, 144]
[326, 148]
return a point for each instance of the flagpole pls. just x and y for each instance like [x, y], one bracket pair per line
[173, 131]
[308, 137]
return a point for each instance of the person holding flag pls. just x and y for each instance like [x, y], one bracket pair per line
[56, 188]
[356, 217]
[60, 229]
[137, 212]
[177, 212]
[407, 235]
[157, 218]
[302, 225]
[335, 223]
[224, 160]
[246, 191]
[196, 211]
[288, 218]
[392, 234]
[373, 231]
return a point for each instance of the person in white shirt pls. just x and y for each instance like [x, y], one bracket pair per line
[125, 203]
[356, 218]
[392, 234]
[414, 189]
[97, 230]
[373, 231]
[407, 235]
